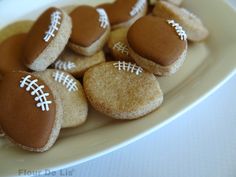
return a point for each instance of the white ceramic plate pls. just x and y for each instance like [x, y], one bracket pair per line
[208, 66]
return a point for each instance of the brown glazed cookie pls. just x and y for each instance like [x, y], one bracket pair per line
[75, 108]
[194, 27]
[76, 64]
[15, 28]
[118, 46]
[123, 13]
[31, 112]
[122, 90]
[175, 2]
[90, 30]
[47, 39]
[11, 54]
[158, 45]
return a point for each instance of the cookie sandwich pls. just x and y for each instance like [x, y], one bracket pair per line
[90, 30]
[47, 39]
[158, 45]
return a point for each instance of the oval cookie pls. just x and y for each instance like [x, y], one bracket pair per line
[76, 64]
[158, 45]
[90, 30]
[122, 13]
[31, 112]
[47, 39]
[118, 46]
[75, 108]
[194, 27]
[122, 90]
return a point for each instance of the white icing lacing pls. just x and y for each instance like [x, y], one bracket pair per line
[121, 47]
[41, 97]
[180, 31]
[64, 65]
[137, 7]
[103, 19]
[66, 80]
[55, 21]
[133, 68]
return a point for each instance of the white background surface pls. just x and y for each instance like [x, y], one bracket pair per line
[201, 143]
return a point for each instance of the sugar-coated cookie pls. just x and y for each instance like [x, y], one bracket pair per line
[47, 39]
[90, 30]
[75, 108]
[194, 27]
[18, 27]
[76, 64]
[118, 46]
[123, 13]
[157, 45]
[175, 2]
[31, 111]
[11, 54]
[122, 90]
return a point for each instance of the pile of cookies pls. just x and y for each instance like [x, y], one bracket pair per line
[109, 56]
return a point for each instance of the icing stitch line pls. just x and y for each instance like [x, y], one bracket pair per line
[66, 80]
[180, 31]
[103, 19]
[41, 97]
[121, 47]
[55, 21]
[64, 65]
[133, 68]
[137, 7]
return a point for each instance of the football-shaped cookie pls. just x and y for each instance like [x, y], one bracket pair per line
[122, 13]
[192, 24]
[117, 45]
[47, 39]
[90, 30]
[77, 64]
[31, 112]
[75, 108]
[122, 90]
[158, 45]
